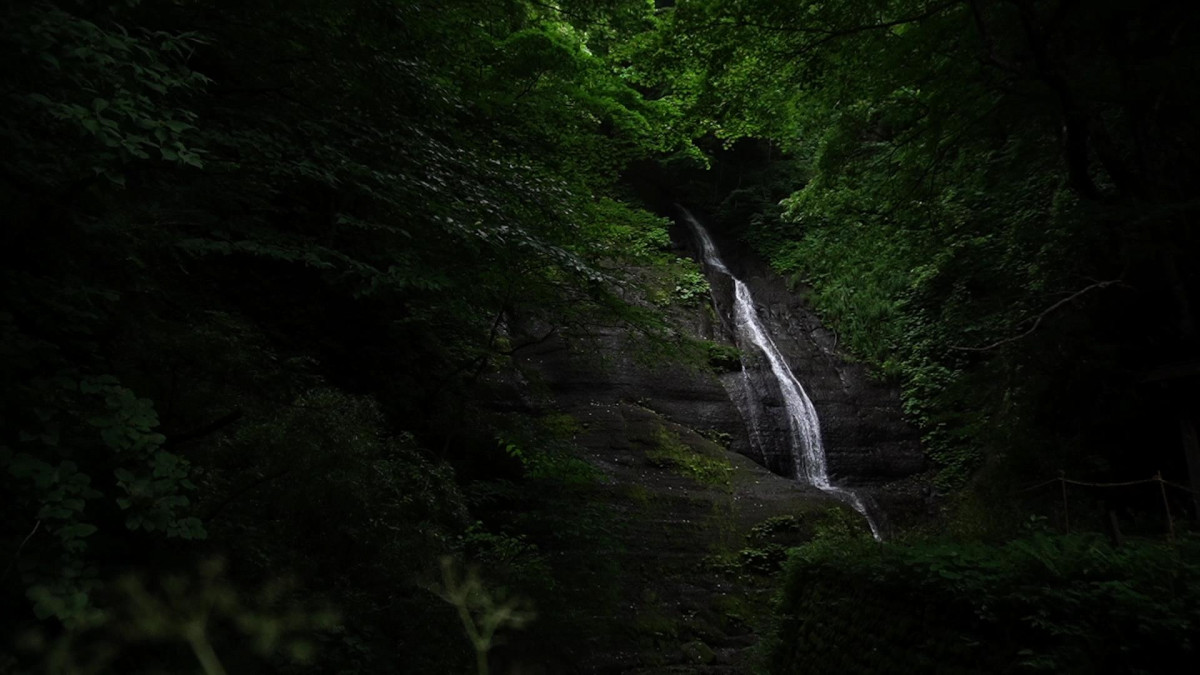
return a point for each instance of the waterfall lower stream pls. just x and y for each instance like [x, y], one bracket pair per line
[806, 447]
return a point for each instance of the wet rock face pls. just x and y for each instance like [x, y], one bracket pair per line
[604, 367]
[867, 441]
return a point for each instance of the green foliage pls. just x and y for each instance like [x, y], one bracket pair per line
[546, 451]
[261, 270]
[1043, 603]
[257, 265]
[637, 235]
[510, 559]
[766, 559]
[723, 358]
[542, 530]
[691, 287]
[675, 282]
[185, 614]
[956, 185]
[774, 527]
[108, 429]
[703, 467]
[90, 85]
[483, 612]
[722, 439]
[151, 478]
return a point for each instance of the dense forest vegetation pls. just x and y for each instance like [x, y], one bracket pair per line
[267, 266]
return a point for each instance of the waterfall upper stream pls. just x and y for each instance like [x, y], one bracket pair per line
[807, 449]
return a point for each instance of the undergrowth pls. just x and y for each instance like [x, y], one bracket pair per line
[705, 469]
[1042, 603]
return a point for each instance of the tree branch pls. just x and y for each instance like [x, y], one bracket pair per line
[1037, 320]
[200, 432]
[238, 494]
[531, 342]
[17, 555]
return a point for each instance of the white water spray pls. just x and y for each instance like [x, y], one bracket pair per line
[807, 449]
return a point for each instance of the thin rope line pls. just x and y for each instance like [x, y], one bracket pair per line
[1034, 487]
[1121, 484]
[1181, 487]
[1132, 482]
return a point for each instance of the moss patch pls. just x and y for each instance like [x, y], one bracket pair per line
[670, 451]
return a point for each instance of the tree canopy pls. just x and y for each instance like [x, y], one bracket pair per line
[992, 200]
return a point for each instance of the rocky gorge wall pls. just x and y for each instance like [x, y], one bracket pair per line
[869, 446]
[684, 489]
[867, 441]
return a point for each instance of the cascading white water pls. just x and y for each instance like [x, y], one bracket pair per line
[807, 449]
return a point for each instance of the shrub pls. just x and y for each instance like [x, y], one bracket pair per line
[1044, 603]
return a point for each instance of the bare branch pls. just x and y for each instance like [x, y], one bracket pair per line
[239, 493]
[201, 432]
[20, 548]
[531, 342]
[1037, 320]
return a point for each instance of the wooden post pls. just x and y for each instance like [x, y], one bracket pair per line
[1114, 529]
[1191, 450]
[1062, 480]
[1166, 506]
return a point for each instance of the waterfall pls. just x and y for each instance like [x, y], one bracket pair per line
[807, 449]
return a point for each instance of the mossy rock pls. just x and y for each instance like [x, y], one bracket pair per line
[698, 653]
[723, 358]
[767, 559]
[709, 467]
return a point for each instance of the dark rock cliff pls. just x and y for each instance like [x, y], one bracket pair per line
[867, 441]
[604, 367]
[686, 598]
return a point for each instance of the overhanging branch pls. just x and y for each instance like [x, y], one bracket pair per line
[1037, 320]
